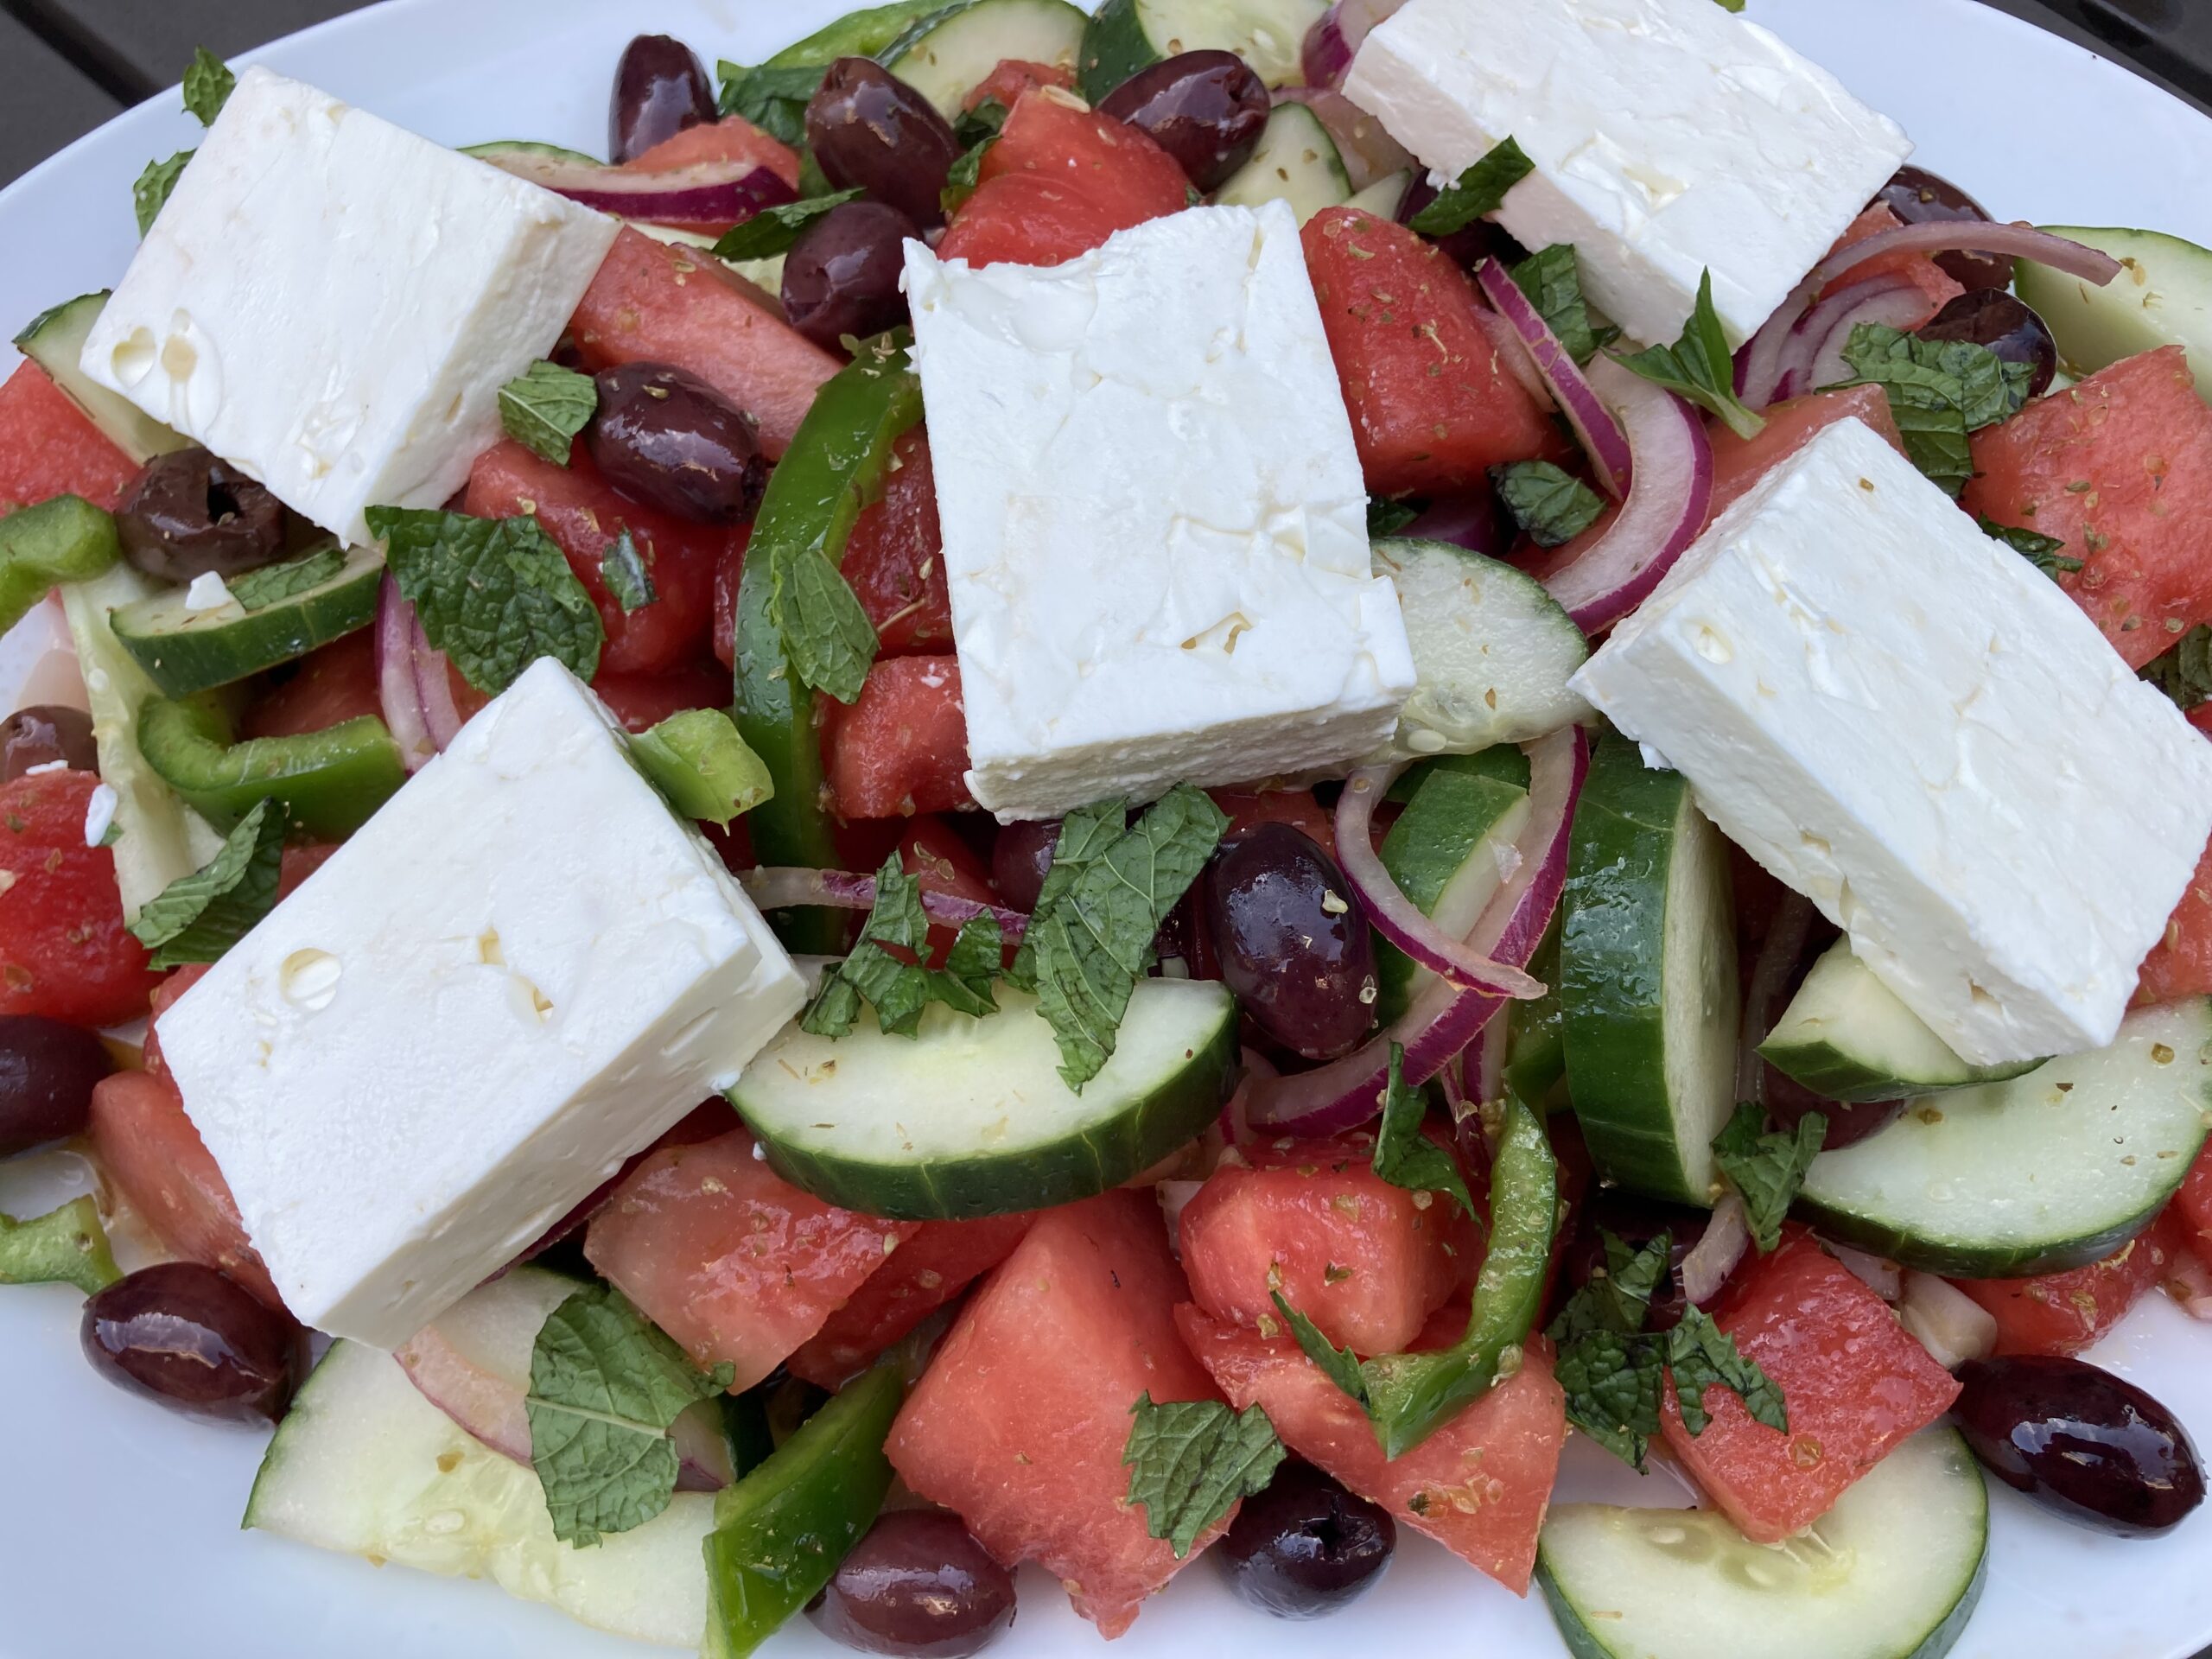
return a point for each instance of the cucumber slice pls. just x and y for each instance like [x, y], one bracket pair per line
[1845, 1035]
[364, 1465]
[2050, 1171]
[54, 340]
[856, 34]
[1382, 197]
[1492, 651]
[1446, 852]
[330, 781]
[947, 54]
[970, 1118]
[1647, 978]
[1297, 162]
[1892, 1572]
[2162, 297]
[1127, 35]
[529, 148]
[160, 839]
[185, 650]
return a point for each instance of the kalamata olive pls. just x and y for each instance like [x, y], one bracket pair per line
[660, 88]
[1306, 1546]
[870, 129]
[1636, 1221]
[1020, 857]
[1919, 197]
[842, 275]
[918, 1586]
[1469, 245]
[43, 733]
[186, 514]
[2090, 1446]
[2009, 328]
[47, 1073]
[1206, 108]
[667, 438]
[1293, 940]
[196, 1340]
[1788, 1101]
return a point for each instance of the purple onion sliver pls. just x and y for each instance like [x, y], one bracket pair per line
[1901, 308]
[398, 691]
[790, 887]
[1715, 1255]
[1611, 456]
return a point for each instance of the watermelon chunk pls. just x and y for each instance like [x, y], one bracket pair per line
[929, 1269]
[902, 748]
[893, 558]
[1019, 1424]
[47, 447]
[2064, 1312]
[2180, 964]
[2192, 1211]
[1479, 1485]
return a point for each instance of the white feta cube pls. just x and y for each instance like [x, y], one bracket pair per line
[331, 303]
[1155, 527]
[1908, 722]
[1669, 138]
[517, 975]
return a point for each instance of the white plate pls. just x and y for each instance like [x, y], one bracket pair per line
[119, 1523]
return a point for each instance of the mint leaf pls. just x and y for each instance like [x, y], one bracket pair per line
[2185, 673]
[1387, 517]
[2046, 553]
[1339, 1365]
[1190, 1460]
[1767, 1170]
[964, 983]
[1614, 1385]
[1729, 5]
[605, 1384]
[960, 180]
[1939, 391]
[1702, 1356]
[622, 568]
[151, 194]
[831, 642]
[1699, 366]
[1552, 505]
[986, 120]
[257, 590]
[697, 761]
[63, 1247]
[197, 917]
[888, 966]
[1477, 193]
[208, 85]
[494, 595]
[773, 100]
[545, 406]
[1085, 834]
[1552, 281]
[1618, 1301]
[773, 230]
[1403, 1156]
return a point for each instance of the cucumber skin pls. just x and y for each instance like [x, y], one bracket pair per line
[182, 664]
[857, 34]
[1829, 1072]
[1115, 48]
[1032, 1179]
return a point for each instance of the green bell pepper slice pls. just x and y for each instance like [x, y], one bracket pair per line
[65, 538]
[329, 781]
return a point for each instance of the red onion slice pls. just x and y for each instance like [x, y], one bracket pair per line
[1714, 1256]
[1602, 439]
[434, 685]
[1897, 305]
[1334, 40]
[1368, 152]
[791, 886]
[1951, 1325]
[1619, 565]
[1778, 953]
[1507, 344]
[397, 687]
[1804, 341]
[706, 195]
[1471, 521]
[1878, 1273]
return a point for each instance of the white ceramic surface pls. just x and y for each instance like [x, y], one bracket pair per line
[119, 1523]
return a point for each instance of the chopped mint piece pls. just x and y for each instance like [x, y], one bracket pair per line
[545, 406]
[1552, 281]
[1767, 1169]
[1700, 366]
[151, 194]
[494, 595]
[2046, 553]
[1189, 1461]
[1403, 1156]
[208, 85]
[197, 917]
[622, 568]
[1339, 1365]
[1477, 193]
[773, 230]
[1552, 505]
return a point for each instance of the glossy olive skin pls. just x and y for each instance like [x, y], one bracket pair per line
[664, 437]
[1919, 197]
[47, 1072]
[196, 1341]
[918, 1586]
[660, 88]
[1206, 108]
[2009, 327]
[842, 275]
[45, 733]
[1020, 858]
[2081, 1442]
[1306, 1547]
[869, 129]
[1293, 940]
[1469, 245]
[1636, 1221]
[188, 514]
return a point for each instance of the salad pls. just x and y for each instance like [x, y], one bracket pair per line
[1094, 788]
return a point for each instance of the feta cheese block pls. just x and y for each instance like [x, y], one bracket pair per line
[1154, 524]
[332, 304]
[1908, 722]
[518, 974]
[1669, 138]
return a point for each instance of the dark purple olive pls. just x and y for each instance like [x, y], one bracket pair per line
[1020, 857]
[842, 275]
[2081, 1442]
[1789, 1101]
[47, 1073]
[1474, 521]
[918, 1586]
[660, 88]
[665, 437]
[1636, 1221]
[1206, 108]
[196, 1341]
[1469, 245]
[43, 733]
[869, 129]
[2009, 328]
[1293, 940]
[1919, 197]
[186, 514]
[1306, 1546]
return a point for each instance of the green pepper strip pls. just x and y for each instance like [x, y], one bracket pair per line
[328, 781]
[780, 1531]
[64, 539]
[64, 1246]
[1411, 1396]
